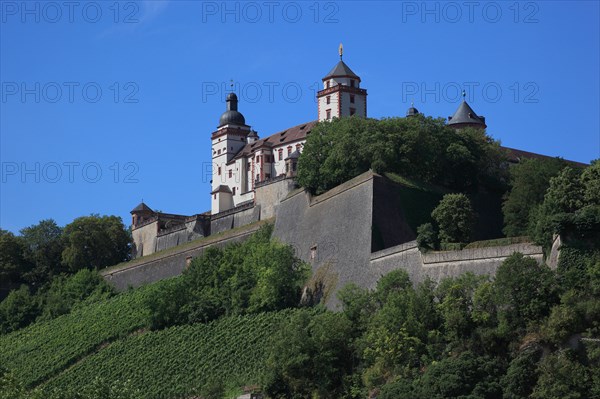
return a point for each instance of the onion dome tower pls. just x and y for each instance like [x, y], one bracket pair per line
[412, 111]
[229, 138]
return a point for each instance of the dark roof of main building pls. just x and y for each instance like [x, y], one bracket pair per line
[290, 135]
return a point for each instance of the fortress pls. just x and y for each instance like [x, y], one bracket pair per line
[355, 232]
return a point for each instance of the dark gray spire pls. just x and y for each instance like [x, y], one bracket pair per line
[465, 116]
[339, 70]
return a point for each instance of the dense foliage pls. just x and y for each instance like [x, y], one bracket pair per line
[422, 148]
[257, 275]
[455, 217]
[529, 179]
[35, 265]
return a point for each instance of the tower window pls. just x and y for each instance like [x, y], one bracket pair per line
[219, 171]
[280, 151]
[351, 83]
[352, 111]
[233, 191]
[219, 152]
[352, 98]
[214, 196]
[328, 114]
[327, 84]
[230, 174]
[328, 99]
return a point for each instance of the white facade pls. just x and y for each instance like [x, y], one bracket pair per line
[240, 159]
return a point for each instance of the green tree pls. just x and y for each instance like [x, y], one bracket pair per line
[456, 297]
[13, 265]
[422, 148]
[465, 376]
[525, 292]
[455, 218]
[521, 375]
[18, 309]
[561, 376]
[95, 242]
[426, 236]
[66, 292]
[310, 356]
[258, 275]
[43, 248]
[590, 178]
[529, 180]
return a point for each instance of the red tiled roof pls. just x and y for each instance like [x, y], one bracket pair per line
[290, 135]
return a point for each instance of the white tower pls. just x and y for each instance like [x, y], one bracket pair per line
[341, 94]
[229, 138]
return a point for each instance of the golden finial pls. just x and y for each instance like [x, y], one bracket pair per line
[341, 50]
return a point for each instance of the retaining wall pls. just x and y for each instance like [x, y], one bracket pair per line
[170, 263]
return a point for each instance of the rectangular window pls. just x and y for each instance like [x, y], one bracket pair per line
[328, 114]
[352, 98]
[280, 154]
[328, 99]
[327, 84]
[289, 150]
[230, 174]
[219, 152]
[297, 147]
[233, 191]
[351, 83]
[352, 111]
[219, 171]
[215, 196]
[249, 164]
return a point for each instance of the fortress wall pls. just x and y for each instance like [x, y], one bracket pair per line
[170, 264]
[332, 232]
[404, 256]
[146, 236]
[246, 217]
[443, 264]
[269, 196]
[439, 265]
[234, 219]
[172, 239]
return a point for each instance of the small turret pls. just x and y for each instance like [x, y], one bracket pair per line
[141, 213]
[466, 117]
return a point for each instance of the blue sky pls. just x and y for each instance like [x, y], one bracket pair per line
[104, 103]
